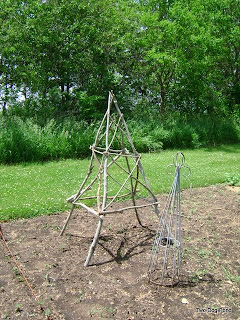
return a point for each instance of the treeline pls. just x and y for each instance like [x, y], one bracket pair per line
[173, 65]
[61, 57]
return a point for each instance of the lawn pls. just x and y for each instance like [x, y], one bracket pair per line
[29, 190]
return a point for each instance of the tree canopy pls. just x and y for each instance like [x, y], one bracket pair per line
[61, 57]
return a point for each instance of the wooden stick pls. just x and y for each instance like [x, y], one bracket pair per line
[133, 194]
[86, 177]
[124, 123]
[95, 157]
[115, 131]
[105, 168]
[67, 220]
[74, 197]
[84, 190]
[87, 208]
[119, 183]
[99, 187]
[111, 197]
[111, 150]
[104, 134]
[123, 185]
[144, 185]
[130, 207]
[105, 171]
[99, 129]
[112, 153]
[94, 243]
[115, 159]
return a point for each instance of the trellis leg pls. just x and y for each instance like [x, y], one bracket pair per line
[94, 243]
[133, 194]
[67, 220]
[105, 177]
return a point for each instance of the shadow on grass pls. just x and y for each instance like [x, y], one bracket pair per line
[224, 148]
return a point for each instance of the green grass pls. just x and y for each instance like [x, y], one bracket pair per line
[33, 189]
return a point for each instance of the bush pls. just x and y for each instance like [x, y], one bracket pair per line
[26, 140]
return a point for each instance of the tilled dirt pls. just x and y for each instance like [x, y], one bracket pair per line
[115, 285]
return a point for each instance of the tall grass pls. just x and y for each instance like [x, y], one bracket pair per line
[27, 141]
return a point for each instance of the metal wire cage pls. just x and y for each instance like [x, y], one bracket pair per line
[165, 260]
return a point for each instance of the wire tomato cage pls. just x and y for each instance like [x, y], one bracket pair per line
[165, 260]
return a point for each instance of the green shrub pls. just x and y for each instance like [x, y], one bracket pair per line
[28, 141]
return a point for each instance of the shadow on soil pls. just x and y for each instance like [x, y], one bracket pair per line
[144, 243]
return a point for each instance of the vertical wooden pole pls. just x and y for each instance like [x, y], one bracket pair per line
[105, 178]
[67, 220]
[94, 243]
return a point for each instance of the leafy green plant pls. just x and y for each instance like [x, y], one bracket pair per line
[233, 180]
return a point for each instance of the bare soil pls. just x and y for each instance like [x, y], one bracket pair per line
[115, 285]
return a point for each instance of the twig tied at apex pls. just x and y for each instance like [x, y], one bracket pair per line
[112, 151]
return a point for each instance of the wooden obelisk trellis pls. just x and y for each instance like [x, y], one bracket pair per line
[113, 149]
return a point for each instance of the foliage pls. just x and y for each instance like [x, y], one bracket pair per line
[27, 141]
[60, 57]
[233, 180]
[32, 189]
[24, 141]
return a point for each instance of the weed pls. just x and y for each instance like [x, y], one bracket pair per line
[103, 312]
[47, 278]
[203, 253]
[233, 180]
[229, 297]
[198, 274]
[46, 226]
[208, 217]
[18, 307]
[192, 211]
[217, 253]
[47, 312]
[16, 271]
[231, 277]
[68, 236]
[80, 297]
[186, 252]
[111, 310]
[19, 241]
[63, 247]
